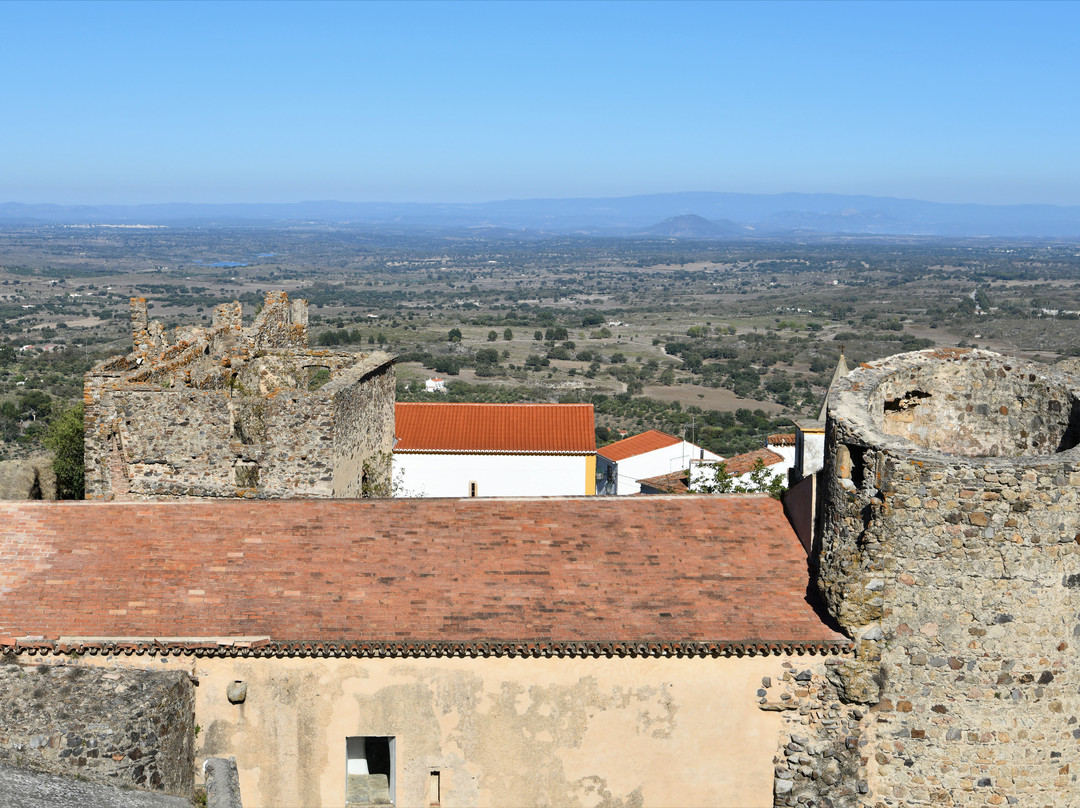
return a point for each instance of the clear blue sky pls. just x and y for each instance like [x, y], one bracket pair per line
[278, 101]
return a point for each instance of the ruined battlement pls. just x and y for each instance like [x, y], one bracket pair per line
[231, 410]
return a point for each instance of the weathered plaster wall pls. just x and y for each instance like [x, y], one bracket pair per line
[951, 552]
[228, 411]
[118, 727]
[502, 732]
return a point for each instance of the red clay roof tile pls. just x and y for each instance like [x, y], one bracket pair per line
[744, 463]
[687, 569]
[675, 482]
[781, 439]
[638, 444]
[547, 428]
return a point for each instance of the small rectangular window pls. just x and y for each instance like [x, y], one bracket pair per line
[472, 489]
[369, 770]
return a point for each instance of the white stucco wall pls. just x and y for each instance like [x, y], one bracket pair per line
[652, 464]
[786, 452]
[810, 444]
[449, 475]
[706, 472]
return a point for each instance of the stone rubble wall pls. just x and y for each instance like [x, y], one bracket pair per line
[235, 412]
[957, 573]
[363, 429]
[117, 726]
[820, 758]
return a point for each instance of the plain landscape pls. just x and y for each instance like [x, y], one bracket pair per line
[720, 341]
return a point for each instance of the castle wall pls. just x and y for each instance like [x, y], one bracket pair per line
[951, 554]
[234, 412]
[363, 429]
[119, 727]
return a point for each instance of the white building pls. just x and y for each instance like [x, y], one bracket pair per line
[740, 468]
[494, 450]
[435, 385]
[622, 464]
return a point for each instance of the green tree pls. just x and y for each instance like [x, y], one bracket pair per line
[37, 404]
[455, 335]
[508, 335]
[492, 336]
[65, 439]
[761, 481]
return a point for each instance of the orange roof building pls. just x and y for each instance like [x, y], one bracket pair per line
[621, 465]
[460, 652]
[467, 450]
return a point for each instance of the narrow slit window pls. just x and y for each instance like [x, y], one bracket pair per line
[473, 489]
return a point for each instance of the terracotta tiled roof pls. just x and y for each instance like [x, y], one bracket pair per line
[781, 439]
[493, 428]
[741, 464]
[676, 482]
[588, 575]
[638, 444]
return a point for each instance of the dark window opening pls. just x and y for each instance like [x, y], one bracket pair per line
[912, 398]
[858, 465]
[369, 770]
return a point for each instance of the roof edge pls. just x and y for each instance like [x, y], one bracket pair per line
[553, 452]
[422, 649]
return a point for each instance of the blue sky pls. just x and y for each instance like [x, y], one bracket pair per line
[273, 102]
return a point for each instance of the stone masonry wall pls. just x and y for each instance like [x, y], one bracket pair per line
[117, 727]
[363, 429]
[820, 761]
[229, 411]
[950, 552]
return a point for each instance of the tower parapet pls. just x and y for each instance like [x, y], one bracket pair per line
[950, 553]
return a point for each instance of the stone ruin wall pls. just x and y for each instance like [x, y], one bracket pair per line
[363, 428]
[118, 727]
[234, 411]
[950, 553]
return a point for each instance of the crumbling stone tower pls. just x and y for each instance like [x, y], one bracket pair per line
[231, 411]
[950, 553]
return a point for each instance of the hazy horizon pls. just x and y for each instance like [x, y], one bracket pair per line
[469, 102]
[493, 201]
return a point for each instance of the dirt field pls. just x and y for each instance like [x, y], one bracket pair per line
[709, 398]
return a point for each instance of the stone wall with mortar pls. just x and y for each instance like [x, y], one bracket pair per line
[363, 429]
[950, 552]
[233, 411]
[119, 726]
[820, 760]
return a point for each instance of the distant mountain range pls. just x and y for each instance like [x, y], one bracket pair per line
[700, 215]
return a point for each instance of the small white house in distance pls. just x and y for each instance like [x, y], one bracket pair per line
[621, 464]
[740, 467]
[783, 444]
[435, 385]
[494, 450]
